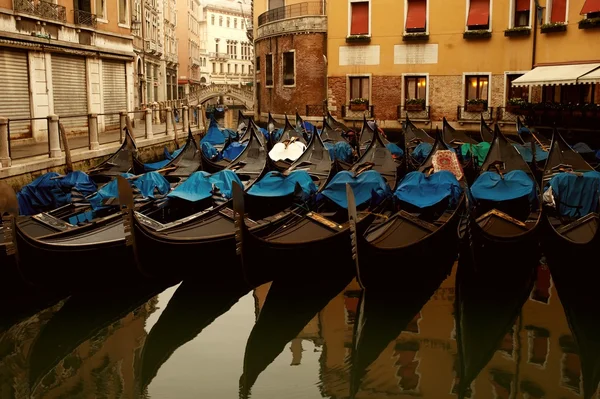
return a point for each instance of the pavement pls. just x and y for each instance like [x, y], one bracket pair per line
[20, 153]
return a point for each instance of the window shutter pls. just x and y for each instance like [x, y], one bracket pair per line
[479, 13]
[559, 11]
[522, 5]
[590, 6]
[360, 18]
[416, 15]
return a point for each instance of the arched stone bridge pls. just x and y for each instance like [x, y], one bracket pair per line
[243, 94]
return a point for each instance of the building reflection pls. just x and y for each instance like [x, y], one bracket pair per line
[536, 359]
[102, 366]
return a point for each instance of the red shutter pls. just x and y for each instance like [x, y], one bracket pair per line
[590, 6]
[559, 11]
[523, 5]
[360, 18]
[416, 15]
[479, 13]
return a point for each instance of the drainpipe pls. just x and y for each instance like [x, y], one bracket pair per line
[537, 17]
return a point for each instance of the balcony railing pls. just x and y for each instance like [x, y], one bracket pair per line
[196, 61]
[85, 18]
[348, 113]
[150, 46]
[218, 56]
[315, 109]
[413, 114]
[557, 114]
[292, 11]
[463, 115]
[42, 9]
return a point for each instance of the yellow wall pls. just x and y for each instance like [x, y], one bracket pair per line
[455, 54]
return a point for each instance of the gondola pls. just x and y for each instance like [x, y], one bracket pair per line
[194, 306]
[288, 307]
[211, 233]
[336, 125]
[83, 316]
[571, 206]
[455, 139]
[301, 127]
[210, 165]
[324, 231]
[413, 137]
[528, 136]
[273, 125]
[125, 160]
[430, 202]
[499, 252]
[289, 135]
[331, 137]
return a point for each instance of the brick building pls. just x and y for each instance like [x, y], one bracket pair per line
[429, 60]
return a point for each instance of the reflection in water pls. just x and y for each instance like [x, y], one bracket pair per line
[297, 340]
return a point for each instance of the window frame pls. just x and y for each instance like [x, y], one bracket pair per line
[267, 85]
[358, 75]
[104, 18]
[548, 16]
[426, 17]
[257, 63]
[350, 16]
[511, 14]
[507, 88]
[127, 23]
[415, 75]
[283, 69]
[490, 18]
[464, 86]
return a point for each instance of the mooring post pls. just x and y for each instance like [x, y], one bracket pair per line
[54, 136]
[186, 119]
[149, 133]
[93, 131]
[169, 121]
[5, 160]
[122, 125]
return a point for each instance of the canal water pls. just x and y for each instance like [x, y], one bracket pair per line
[205, 340]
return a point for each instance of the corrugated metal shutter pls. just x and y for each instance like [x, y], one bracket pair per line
[70, 90]
[14, 97]
[114, 90]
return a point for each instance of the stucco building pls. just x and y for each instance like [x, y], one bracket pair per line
[189, 27]
[425, 58]
[64, 58]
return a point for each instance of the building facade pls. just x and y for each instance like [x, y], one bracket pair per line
[290, 41]
[427, 60]
[229, 51]
[65, 58]
[189, 26]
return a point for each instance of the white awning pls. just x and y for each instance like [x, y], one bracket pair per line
[592, 77]
[555, 75]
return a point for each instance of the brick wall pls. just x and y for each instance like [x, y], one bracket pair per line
[310, 73]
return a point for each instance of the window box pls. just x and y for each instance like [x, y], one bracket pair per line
[515, 109]
[589, 23]
[358, 39]
[415, 37]
[415, 107]
[477, 34]
[358, 106]
[475, 107]
[516, 32]
[553, 27]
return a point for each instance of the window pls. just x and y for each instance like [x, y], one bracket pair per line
[538, 339]
[123, 12]
[228, 21]
[257, 64]
[100, 9]
[221, 68]
[214, 67]
[289, 68]
[515, 92]
[269, 70]
[359, 18]
[243, 68]
[359, 87]
[576, 94]
[591, 9]
[407, 363]
[216, 47]
[220, 21]
[228, 68]
[212, 19]
[276, 4]
[416, 16]
[521, 13]
[477, 87]
[557, 11]
[479, 15]
[235, 23]
[415, 88]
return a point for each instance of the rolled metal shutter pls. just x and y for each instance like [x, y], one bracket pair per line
[70, 90]
[114, 90]
[14, 97]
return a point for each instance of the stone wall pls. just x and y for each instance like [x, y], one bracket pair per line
[310, 71]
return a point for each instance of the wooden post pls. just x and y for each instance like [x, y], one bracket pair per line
[5, 160]
[54, 136]
[63, 136]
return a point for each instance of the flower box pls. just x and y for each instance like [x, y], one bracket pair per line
[414, 107]
[589, 23]
[415, 37]
[475, 107]
[358, 39]
[553, 27]
[477, 34]
[514, 109]
[515, 32]
[358, 107]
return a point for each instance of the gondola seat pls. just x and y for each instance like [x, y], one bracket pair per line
[421, 152]
[145, 186]
[201, 185]
[477, 151]
[340, 151]
[285, 151]
[276, 184]
[149, 167]
[367, 186]
[575, 194]
[527, 154]
[422, 191]
[395, 150]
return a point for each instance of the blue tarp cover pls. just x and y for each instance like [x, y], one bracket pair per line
[490, 186]
[46, 193]
[199, 185]
[341, 150]
[395, 150]
[369, 185]
[147, 184]
[582, 148]
[149, 167]
[275, 184]
[421, 152]
[277, 134]
[422, 191]
[576, 196]
[525, 151]
[233, 150]
[264, 132]
[209, 150]
[479, 150]
[213, 135]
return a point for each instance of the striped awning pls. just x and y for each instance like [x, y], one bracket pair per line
[556, 75]
[592, 77]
